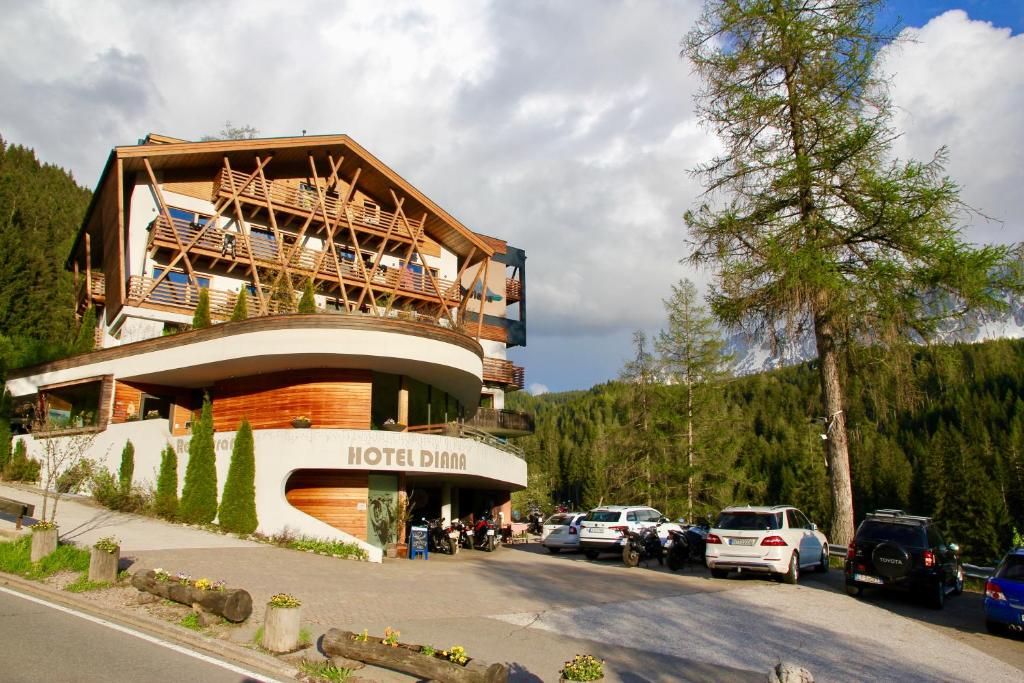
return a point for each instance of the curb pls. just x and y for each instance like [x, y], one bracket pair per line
[219, 649]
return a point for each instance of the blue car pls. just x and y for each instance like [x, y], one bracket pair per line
[1004, 595]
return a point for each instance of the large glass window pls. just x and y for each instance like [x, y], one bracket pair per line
[71, 406]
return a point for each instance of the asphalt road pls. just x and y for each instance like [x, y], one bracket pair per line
[46, 643]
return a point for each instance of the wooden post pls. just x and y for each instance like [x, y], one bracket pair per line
[103, 565]
[281, 628]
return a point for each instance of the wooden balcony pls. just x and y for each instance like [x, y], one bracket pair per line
[183, 297]
[266, 253]
[302, 202]
[499, 371]
[513, 290]
[502, 422]
[92, 286]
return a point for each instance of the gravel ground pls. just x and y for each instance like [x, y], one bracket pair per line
[753, 626]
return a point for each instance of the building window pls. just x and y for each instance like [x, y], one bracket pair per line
[191, 217]
[71, 406]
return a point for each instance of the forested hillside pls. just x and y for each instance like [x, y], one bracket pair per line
[941, 433]
[41, 208]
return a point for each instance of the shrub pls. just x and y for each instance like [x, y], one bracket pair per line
[238, 503]
[241, 309]
[583, 668]
[201, 318]
[127, 466]
[72, 480]
[166, 502]
[307, 304]
[5, 442]
[21, 467]
[285, 600]
[199, 494]
[106, 491]
[85, 338]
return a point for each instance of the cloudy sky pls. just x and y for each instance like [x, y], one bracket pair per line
[566, 128]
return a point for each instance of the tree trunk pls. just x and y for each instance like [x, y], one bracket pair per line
[103, 565]
[689, 448]
[837, 444]
[234, 604]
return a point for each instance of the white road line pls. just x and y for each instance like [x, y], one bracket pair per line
[143, 636]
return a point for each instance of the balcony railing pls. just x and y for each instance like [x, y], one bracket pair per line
[509, 422]
[303, 201]
[465, 430]
[265, 252]
[95, 284]
[184, 296]
[513, 290]
[500, 371]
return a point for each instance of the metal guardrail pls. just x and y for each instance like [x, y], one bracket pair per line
[971, 570]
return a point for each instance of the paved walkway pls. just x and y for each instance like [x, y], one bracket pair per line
[534, 610]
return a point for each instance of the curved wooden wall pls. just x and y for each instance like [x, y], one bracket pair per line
[332, 496]
[331, 398]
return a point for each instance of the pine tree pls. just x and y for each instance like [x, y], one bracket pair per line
[238, 502]
[241, 309]
[166, 501]
[817, 227]
[307, 304]
[201, 318]
[127, 467]
[85, 340]
[199, 493]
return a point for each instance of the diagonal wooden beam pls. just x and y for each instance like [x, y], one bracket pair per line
[243, 231]
[483, 298]
[408, 253]
[329, 226]
[458, 280]
[380, 254]
[170, 222]
[415, 245]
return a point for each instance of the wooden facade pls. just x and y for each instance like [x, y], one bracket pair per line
[332, 496]
[331, 398]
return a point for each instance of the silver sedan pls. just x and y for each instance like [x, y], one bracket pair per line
[561, 531]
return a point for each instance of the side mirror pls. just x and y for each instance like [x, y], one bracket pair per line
[814, 527]
[662, 519]
[954, 547]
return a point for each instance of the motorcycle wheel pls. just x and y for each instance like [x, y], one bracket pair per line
[630, 557]
[673, 562]
[490, 544]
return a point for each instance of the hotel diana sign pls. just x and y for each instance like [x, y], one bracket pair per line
[394, 458]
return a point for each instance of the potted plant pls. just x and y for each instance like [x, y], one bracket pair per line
[44, 539]
[582, 668]
[302, 422]
[391, 426]
[103, 560]
[281, 623]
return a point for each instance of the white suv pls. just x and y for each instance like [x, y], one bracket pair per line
[778, 540]
[601, 529]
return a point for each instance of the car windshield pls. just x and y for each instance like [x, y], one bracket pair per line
[558, 520]
[749, 521]
[602, 516]
[1012, 568]
[904, 534]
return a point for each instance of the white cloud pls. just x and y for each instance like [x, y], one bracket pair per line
[568, 132]
[537, 389]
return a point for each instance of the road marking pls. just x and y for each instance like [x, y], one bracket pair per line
[143, 636]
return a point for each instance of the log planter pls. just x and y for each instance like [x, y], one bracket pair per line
[281, 629]
[103, 565]
[234, 604]
[408, 659]
[44, 542]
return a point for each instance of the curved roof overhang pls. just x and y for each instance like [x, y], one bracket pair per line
[441, 357]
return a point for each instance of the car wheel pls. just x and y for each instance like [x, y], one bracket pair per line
[553, 551]
[792, 576]
[630, 557]
[937, 595]
[720, 573]
[958, 586]
[590, 554]
[823, 565]
[853, 590]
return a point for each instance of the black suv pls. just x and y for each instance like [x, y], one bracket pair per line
[895, 550]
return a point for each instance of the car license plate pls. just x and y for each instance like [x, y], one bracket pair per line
[490, 532]
[864, 578]
[741, 541]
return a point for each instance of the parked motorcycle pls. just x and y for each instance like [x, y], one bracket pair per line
[483, 535]
[536, 521]
[686, 546]
[437, 537]
[641, 544]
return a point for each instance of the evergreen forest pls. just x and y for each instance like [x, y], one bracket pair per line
[940, 434]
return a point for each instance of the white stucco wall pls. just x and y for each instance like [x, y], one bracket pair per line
[279, 452]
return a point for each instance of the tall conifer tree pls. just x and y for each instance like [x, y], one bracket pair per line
[167, 484]
[127, 470]
[238, 503]
[201, 318]
[813, 227]
[199, 493]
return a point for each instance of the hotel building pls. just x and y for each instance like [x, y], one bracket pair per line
[394, 387]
